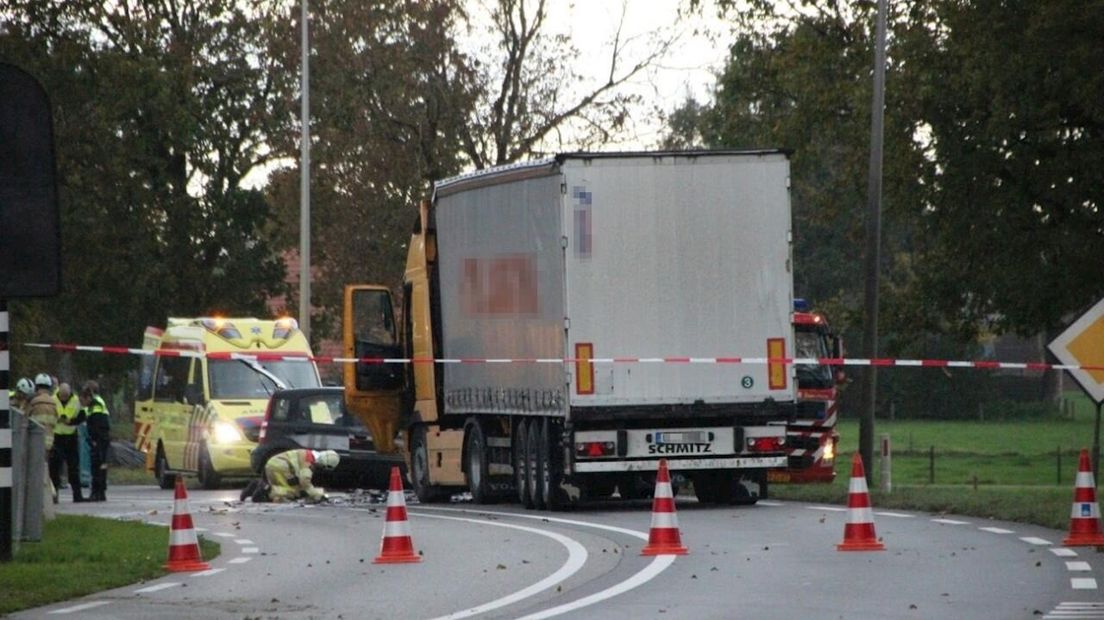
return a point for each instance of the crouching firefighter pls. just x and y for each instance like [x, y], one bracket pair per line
[287, 476]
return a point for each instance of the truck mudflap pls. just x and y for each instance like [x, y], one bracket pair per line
[736, 462]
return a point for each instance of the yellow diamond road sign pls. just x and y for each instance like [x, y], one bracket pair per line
[1082, 344]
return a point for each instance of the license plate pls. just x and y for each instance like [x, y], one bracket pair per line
[777, 476]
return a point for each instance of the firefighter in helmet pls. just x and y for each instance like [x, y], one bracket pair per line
[288, 476]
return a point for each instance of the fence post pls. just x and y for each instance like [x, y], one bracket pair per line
[887, 469]
[931, 465]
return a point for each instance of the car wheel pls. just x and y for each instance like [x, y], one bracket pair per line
[535, 469]
[208, 477]
[164, 479]
[521, 462]
[419, 469]
[475, 465]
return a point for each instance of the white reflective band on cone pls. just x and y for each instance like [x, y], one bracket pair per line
[858, 485]
[665, 520]
[395, 498]
[1084, 480]
[393, 529]
[180, 507]
[180, 538]
[1085, 510]
[860, 515]
[663, 489]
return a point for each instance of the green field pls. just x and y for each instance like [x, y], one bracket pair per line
[1014, 470]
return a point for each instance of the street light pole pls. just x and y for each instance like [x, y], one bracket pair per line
[869, 390]
[304, 185]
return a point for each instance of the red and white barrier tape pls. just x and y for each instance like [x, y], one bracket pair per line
[824, 361]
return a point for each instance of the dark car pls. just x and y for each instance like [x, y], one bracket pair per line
[316, 419]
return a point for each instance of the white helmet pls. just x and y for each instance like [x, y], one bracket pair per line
[43, 380]
[327, 459]
[25, 387]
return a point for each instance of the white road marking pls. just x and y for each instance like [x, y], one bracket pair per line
[1031, 540]
[200, 529]
[950, 522]
[250, 550]
[158, 587]
[1078, 566]
[1077, 610]
[895, 514]
[766, 502]
[828, 508]
[69, 610]
[208, 573]
[1062, 552]
[1083, 583]
[996, 530]
[657, 566]
[224, 535]
[576, 558]
[241, 560]
[654, 568]
[244, 541]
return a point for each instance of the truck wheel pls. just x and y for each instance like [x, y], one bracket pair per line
[552, 472]
[419, 469]
[714, 487]
[208, 477]
[521, 462]
[743, 496]
[475, 464]
[165, 480]
[534, 468]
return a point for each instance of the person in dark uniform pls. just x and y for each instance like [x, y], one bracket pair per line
[95, 415]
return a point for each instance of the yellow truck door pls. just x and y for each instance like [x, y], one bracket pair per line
[373, 387]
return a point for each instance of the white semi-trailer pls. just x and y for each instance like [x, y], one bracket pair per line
[606, 262]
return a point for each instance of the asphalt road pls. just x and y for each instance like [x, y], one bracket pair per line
[773, 560]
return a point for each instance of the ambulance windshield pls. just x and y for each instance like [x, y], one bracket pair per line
[232, 379]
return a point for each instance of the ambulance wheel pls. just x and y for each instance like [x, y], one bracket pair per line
[208, 477]
[165, 480]
[419, 469]
[475, 464]
[534, 467]
[521, 461]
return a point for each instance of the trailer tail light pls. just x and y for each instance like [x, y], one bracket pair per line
[765, 444]
[595, 449]
[829, 448]
[584, 368]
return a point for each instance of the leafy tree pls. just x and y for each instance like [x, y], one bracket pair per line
[161, 111]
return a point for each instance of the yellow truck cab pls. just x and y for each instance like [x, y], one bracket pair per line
[200, 400]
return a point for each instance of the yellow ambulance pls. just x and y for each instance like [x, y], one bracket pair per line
[203, 389]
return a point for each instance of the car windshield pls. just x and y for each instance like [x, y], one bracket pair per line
[233, 379]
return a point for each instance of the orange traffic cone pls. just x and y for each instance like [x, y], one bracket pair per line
[664, 539]
[1085, 514]
[858, 534]
[396, 547]
[183, 544]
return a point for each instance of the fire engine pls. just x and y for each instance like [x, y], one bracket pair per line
[811, 437]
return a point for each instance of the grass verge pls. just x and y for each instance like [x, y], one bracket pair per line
[80, 555]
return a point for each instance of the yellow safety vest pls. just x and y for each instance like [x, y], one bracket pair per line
[67, 412]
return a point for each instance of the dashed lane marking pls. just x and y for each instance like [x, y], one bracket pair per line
[157, 588]
[764, 502]
[1062, 552]
[828, 508]
[951, 522]
[250, 550]
[996, 530]
[899, 515]
[1078, 566]
[244, 541]
[241, 560]
[76, 608]
[224, 535]
[1081, 610]
[1031, 540]
[208, 573]
[1083, 583]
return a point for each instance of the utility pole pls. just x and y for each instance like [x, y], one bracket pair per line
[304, 184]
[869, 390]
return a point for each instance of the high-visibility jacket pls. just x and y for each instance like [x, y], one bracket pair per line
[67, 415]
[97, 418]
[43, 410]
[289, 474]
